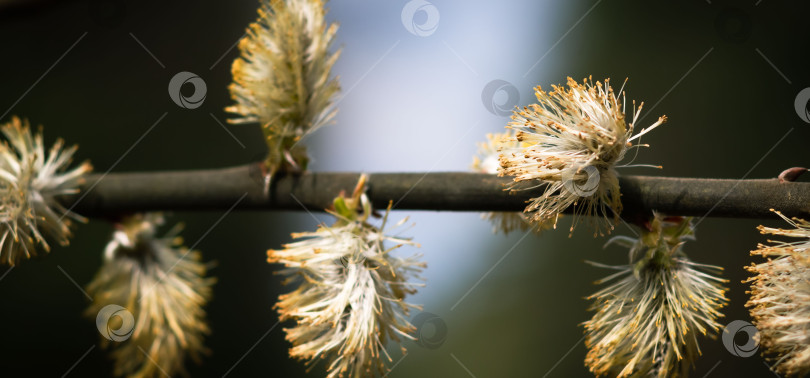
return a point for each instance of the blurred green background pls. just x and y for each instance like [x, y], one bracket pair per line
[725, 73]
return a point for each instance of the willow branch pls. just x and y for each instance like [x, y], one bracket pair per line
[243, 187]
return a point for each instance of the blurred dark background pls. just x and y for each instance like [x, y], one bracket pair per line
[96, 73]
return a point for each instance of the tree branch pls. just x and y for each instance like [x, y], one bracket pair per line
[218, 189]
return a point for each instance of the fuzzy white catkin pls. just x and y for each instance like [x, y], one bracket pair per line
[571, 140]
[30, 181]
[350, 298]
[780, 298]
[163, 285]
[486, 161]
[649, 316]
[282, 80]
